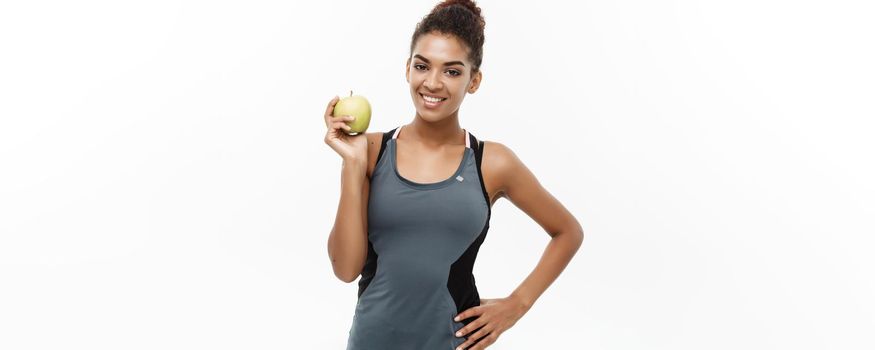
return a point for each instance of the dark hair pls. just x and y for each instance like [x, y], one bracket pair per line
[459, 18]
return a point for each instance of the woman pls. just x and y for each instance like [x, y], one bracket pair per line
[416, 201]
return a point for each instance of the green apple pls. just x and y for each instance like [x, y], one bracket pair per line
[358, 107]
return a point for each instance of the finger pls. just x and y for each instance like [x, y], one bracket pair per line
[485, 341]
[474, 339]
[477, 323]
[330, 108]
[474, 311]
[340, 125]
[342, 118]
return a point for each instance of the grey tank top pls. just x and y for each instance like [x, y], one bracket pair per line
[423, 239]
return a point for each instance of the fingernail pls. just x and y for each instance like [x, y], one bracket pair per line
[456, 319]
[458, 334]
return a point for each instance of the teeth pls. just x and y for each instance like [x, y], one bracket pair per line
[432, 99]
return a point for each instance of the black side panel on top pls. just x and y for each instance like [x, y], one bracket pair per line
[461, 283]
[369, 270]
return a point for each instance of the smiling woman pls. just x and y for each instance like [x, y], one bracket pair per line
[451, 35]
[416, 203]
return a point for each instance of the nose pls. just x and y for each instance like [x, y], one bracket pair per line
[433, 81]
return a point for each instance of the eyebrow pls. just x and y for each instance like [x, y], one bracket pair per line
[445, 64]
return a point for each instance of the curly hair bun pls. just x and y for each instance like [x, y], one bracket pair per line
[459, 18]
[469, 4]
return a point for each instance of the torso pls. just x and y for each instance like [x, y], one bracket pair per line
[426, 220]
[424, 165]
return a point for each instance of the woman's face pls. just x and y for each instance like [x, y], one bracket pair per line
[439, 67]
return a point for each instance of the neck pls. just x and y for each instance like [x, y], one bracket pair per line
[435, 134]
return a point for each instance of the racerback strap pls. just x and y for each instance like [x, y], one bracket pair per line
[386, 136]
[478, 155]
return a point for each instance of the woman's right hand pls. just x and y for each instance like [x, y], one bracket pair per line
[350, 148]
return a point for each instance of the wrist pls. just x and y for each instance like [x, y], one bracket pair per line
[354, 168]
[354, 163]
[523, 301]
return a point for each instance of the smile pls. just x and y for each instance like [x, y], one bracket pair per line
[432, 101]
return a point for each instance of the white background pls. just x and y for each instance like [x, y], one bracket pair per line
[165, 184]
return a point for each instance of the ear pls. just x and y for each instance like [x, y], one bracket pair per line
[475, 82]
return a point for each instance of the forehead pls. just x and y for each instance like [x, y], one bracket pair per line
[440, 47]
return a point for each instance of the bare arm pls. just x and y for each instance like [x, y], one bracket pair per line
[517, 183]
[348, 240]
[525, 191]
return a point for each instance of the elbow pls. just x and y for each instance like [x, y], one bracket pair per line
[572, 238]
[346, 278]
[346, 266]
[576, 238]
[345, 275]
[341, 271]
[576, 235]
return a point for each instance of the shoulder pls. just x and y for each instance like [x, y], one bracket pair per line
[375, 140]
[498, 155]
[500, 162]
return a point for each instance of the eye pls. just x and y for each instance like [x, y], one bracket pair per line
[453, 72]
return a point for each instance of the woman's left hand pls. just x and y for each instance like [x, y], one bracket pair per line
[494, 317]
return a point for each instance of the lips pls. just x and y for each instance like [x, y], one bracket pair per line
[428, 103]
[429, 95]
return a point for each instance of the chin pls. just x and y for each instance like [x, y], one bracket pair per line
[430, 116]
